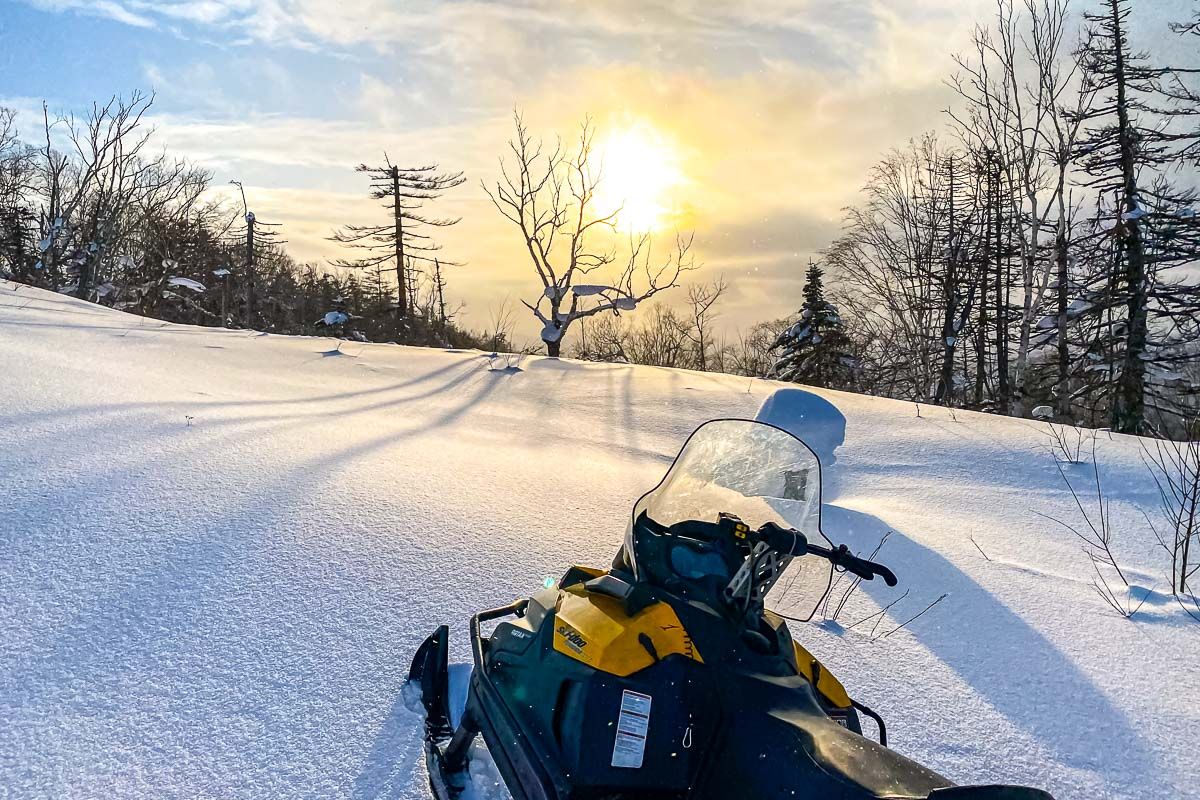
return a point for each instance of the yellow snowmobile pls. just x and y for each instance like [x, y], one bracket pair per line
[664, 677]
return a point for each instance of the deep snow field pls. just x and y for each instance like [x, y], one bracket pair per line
[219, 549]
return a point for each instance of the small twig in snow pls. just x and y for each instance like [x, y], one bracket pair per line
[878, 614]
[980, 549]
[914, 617]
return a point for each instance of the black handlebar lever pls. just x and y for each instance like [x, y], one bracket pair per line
[791, 542]
[841, 556]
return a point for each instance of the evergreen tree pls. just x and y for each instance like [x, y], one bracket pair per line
[815, 350]
[1126, 153]
[404, 238]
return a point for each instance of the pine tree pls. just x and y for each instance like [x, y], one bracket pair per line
[1126, 153]
[404, 238]
[815, 350]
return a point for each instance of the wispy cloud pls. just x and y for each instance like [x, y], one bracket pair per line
[203, 12]
[97, 8]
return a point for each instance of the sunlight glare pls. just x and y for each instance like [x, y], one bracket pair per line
[640, 170]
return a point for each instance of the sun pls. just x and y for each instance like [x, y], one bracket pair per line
[640, 173]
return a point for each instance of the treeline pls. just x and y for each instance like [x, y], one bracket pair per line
[89, 208]
[1038, 257]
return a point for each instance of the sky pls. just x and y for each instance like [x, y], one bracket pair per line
[751, 123]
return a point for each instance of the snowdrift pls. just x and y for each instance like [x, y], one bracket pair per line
[218, 550]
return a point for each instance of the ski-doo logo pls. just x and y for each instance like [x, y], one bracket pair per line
[572, 638]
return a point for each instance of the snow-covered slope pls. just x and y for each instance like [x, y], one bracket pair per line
[218, 550]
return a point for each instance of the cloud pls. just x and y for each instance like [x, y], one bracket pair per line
[97, 8]
[204, 12]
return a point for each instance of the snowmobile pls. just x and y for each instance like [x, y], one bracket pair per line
[665, 677]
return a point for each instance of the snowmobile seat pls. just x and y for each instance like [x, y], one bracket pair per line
[876, 768]
[989, 793]
[783, 719]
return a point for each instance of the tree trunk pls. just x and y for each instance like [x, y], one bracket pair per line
[949, 305]
[1063, 390]
[397, 214]
[1030, 293]
[554, 348]
[1129, 409]
[441, 297]
[250, 269]
[981, 341]
[1001, 315]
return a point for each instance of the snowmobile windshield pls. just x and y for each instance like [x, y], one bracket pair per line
[760, 474]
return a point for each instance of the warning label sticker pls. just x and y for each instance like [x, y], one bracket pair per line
[632, 726]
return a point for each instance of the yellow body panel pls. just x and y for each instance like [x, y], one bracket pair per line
[595, 630]
[828, 685]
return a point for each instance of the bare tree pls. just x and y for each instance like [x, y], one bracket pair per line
[1018, 84]
[107, 144]
[498, 334]
[17, 216]
[1126, 154]
[906, 269]
[702, 301]
[1175, 467]
[549, 195]
[750, 353]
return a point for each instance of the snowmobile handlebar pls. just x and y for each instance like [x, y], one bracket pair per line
[841, 556]
[795, 543]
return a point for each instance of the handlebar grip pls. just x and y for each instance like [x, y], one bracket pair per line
[867, 570]
[789, 540]
[856, 566]
[888, 576]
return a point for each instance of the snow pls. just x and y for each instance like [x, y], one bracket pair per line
[219, 550]
[587, 289]
[221, 273]
[187, 283]
[810, 417]
[334, 318]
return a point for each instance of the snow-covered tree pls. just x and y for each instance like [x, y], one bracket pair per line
[815, 350]
[549, 194]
